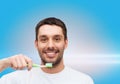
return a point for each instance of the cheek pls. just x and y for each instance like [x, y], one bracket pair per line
[41, 46]
[61, 46]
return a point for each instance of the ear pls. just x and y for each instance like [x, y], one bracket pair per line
[36, 43]
[66, 43]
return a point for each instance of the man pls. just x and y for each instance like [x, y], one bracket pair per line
[51, 41]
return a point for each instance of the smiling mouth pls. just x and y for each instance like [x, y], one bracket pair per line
[51, 54]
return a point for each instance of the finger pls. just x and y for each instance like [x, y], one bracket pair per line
[16, 62]
[29, 62]
[21, 62]
[13, 62]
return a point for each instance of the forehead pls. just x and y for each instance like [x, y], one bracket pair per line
[50, 30]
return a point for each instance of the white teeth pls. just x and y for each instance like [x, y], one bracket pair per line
[51, 54]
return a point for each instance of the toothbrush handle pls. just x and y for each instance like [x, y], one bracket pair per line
[36, 65]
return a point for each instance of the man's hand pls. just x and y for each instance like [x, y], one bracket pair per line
[16, 62]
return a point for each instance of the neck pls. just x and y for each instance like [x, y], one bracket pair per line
[55, 69]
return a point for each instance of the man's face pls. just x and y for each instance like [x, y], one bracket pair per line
[51, 44]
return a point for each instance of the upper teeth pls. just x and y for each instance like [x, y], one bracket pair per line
[51, 53]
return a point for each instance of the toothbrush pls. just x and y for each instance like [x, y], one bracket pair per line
[47, 65]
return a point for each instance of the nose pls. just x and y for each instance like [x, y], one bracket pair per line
[50, 44]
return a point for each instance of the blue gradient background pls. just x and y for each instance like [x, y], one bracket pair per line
[93, 32]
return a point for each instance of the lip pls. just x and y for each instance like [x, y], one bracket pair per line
[51, 54]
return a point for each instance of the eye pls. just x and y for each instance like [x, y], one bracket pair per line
[57, 39]
[43, 40]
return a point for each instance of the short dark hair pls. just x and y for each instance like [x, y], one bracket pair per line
[52, 21]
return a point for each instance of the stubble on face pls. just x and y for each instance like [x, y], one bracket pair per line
[54, 60]
[51, 54]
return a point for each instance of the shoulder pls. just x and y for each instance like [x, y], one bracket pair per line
[11, 78]
[19, 74]
[14, 75]
[79, 76]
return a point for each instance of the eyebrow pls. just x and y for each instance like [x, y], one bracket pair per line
[57, 35]
[42, 36]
